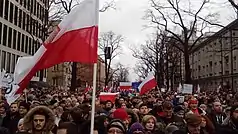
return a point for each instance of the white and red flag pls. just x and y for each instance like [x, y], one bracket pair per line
[147, 84]
[104, 96]
[74, 40]
[125, 85]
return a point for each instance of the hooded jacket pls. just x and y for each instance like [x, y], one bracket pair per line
[50, 121]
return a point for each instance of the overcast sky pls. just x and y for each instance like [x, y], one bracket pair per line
[127, 21]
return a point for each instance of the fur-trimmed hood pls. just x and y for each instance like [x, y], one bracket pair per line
[50, 121]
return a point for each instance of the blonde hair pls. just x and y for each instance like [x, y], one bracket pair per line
[146, 118]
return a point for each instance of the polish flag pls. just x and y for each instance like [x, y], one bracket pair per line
[104, 96]
[125, 85]
[74, 40]
[148, 83]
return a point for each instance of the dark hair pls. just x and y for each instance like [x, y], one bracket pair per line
[167, 105]
[143, 104]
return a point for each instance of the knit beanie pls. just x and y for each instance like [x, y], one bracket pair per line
[120, 114]
[136, 127]
[118, 124]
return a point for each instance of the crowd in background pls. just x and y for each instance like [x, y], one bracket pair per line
[59, 111]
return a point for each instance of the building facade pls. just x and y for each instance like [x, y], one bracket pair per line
[214, 60]
[60, 75]
[22, 26]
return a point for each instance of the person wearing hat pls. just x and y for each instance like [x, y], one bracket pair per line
[116, 126]
[23, 108]
[122, 115]
[136, 128]
[193, 123]
[193, 107]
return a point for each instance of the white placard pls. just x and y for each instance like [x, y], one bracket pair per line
[187, 89]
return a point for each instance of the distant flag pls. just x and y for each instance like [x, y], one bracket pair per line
[104, 96]
[147, 84]
[125, 85]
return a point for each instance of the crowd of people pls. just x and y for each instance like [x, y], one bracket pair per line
[58, 111]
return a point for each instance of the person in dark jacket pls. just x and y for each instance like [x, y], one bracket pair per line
[217, 116]
[230, 126]
[12, 118]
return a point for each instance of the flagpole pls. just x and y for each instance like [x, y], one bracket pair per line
[93, 97]
[94, 73]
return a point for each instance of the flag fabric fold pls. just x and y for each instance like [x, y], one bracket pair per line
[147, 84]
[74, 40]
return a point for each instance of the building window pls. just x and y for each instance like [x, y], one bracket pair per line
[16, 15]
[3, 59]
[24, 21]
[11, 12]
[22, 42]
[14, 44]
[6, 10]
[5, 35]
[8, 62]
[33, 47]
[20, 18]
[30, 46]
[1, 8]
[26, 45]
[9, 44]
[13, 63]
[19, 41]
[25, 3]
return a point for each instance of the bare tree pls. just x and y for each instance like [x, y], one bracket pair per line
[114, 41]
[141, 69]
[151, 57]
[189, 22]
[122, 73]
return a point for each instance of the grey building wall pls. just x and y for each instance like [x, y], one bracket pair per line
[214, 61]
[21, 30]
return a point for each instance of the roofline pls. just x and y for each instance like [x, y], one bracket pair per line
[216, 35]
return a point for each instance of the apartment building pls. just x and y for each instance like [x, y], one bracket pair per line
[22, 26]
[214, 60]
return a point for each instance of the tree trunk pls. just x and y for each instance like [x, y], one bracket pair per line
[188, 79]
[74, 76]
